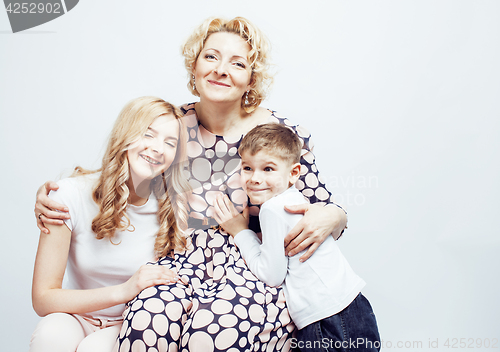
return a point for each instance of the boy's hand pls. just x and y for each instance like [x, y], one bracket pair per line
[228, 217]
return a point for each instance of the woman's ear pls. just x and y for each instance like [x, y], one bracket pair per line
[193, 70]
[294, 173]
[251, 83]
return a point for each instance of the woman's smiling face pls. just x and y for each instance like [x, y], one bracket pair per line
[222, 72]
[155, 151]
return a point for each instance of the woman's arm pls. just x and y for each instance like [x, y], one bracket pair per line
[48, 211]
[319, 221]
[48, 295]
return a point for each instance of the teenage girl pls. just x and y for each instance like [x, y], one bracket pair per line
[130, 211]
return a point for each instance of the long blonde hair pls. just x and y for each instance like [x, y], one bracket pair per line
[170, 188]
[258, 55]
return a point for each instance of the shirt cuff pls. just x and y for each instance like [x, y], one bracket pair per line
[244, 236]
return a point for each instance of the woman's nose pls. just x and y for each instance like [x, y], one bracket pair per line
[220, 68]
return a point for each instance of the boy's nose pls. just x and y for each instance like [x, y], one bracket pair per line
[256, 178]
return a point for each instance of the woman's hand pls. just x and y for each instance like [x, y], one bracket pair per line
[317, 224]
[228, 217]
[146, 276]
[48, 211]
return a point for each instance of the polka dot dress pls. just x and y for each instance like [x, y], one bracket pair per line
[223, 306]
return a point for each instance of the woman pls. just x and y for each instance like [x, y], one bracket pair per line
[224, 307]
[114, 229]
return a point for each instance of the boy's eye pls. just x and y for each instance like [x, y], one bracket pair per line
[268, 168]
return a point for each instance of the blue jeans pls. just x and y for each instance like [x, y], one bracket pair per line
[352, 329]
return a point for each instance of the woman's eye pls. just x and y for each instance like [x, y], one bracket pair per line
[148, 135]
[171, 144]
[239, 64]
[210, 56]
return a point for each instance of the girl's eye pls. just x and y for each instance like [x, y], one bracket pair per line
[171, 144]
[247, 168]
[268, 168]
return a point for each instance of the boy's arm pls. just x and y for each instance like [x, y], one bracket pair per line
[267, 261]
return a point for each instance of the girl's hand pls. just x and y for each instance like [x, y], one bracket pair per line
[48, 211]
[146, 276]
[228, 217]
[317, 224]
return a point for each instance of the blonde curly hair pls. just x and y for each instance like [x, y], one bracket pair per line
[258, 56]
[171, 188]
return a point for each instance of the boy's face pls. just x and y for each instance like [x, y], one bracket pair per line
[264, 175]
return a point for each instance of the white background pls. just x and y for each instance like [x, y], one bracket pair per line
[402, 99]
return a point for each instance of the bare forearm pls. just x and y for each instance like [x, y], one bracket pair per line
[77, 301]
[340, 219]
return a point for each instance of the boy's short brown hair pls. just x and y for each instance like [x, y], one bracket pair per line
[274, 138]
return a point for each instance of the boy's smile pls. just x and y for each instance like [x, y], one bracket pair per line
[264, 175]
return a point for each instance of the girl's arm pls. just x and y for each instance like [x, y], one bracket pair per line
[50, 264]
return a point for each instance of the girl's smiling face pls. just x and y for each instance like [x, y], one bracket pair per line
[155, 151]
[222, 72]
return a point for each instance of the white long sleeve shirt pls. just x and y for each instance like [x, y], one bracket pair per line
[320, 287]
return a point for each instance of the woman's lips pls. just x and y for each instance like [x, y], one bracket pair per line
[220, 84]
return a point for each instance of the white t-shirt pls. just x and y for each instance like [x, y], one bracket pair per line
[320, 287]
[94, 263]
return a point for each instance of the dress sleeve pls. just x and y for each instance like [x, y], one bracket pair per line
[266, 260]
[310, 183]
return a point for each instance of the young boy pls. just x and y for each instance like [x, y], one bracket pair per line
[322, 294]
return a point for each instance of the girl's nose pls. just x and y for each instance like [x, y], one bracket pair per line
[157, 145]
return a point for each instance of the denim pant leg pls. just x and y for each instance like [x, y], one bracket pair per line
[353, 329]
[361, 326]
[323, 335]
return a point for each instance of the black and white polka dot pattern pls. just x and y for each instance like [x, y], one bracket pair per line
[224, 307]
